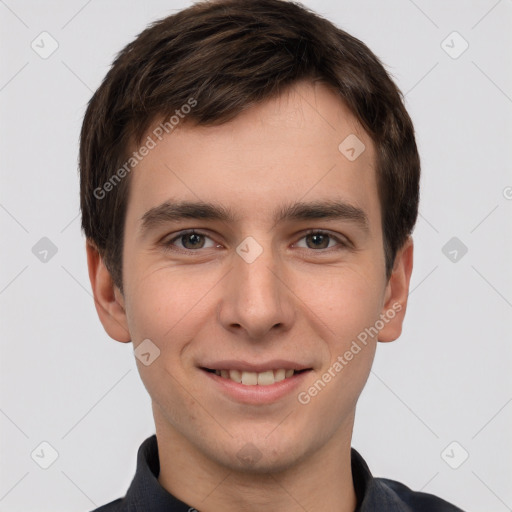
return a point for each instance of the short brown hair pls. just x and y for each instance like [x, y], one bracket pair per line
[230, 55]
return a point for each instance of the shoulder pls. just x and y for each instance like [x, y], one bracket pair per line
[386, 495]
[414, 501]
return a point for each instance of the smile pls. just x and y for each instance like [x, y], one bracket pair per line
[247, 378]
[254, 384]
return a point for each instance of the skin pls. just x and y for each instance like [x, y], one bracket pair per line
[295, 301]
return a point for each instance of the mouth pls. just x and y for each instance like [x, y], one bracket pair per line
[255, 384]
[250, 378]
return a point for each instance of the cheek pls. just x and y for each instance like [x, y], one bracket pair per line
[166, 310]
[163, 301]
[346, 300]
[348, 305]
[351, 344]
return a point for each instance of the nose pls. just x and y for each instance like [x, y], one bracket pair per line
[255, 299]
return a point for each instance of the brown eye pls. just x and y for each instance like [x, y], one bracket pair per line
[321, 240]
[192, 241]
[318, 241]
[189, 241]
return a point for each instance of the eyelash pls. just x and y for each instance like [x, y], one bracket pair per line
[168, 245]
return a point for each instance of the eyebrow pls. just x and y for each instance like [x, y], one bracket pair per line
[170, 211]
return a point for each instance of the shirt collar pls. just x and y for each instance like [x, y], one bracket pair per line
[146, 493]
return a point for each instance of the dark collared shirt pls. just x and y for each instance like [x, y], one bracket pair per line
[145, 493]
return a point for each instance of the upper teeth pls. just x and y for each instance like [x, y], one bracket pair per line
[252, 378]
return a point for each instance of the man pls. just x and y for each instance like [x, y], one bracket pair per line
[249, 186]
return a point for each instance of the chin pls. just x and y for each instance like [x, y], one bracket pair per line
[261, 455]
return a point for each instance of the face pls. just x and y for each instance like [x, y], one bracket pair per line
[271, 282]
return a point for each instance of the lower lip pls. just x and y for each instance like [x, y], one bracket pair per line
[257, 394]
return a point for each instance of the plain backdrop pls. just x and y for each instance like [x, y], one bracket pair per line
[436, 413]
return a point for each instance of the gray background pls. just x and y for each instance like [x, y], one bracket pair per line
[447, 379]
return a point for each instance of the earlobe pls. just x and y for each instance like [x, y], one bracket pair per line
[108, 300]
[396, 294]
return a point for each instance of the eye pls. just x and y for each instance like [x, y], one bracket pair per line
[321, 240]
[189, 241]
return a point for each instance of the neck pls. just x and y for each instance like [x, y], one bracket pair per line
[321, 481]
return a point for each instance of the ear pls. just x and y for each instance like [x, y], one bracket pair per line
[396, 294]
[108, 299]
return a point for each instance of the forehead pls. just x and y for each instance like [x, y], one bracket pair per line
[274, 153]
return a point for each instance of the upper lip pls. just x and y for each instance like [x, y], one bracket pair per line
[275, 364]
